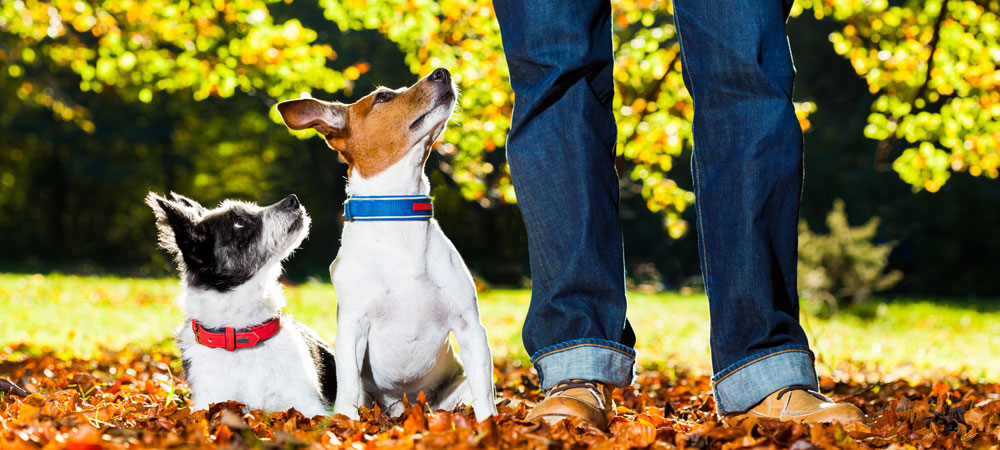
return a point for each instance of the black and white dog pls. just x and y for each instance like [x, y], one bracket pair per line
[236, 344]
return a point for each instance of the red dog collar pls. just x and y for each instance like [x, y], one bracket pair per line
[231, 339]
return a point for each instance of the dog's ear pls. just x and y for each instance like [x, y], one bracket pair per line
[330, 119]
[179, 231]
[191, 204]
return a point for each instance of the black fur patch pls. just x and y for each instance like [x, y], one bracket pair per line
[231, 253]
[217, 250]
[187, 366]
[322, 355]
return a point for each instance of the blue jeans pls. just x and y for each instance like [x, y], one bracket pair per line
[747, 171]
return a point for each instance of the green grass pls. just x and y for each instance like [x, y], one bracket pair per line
[83, 315]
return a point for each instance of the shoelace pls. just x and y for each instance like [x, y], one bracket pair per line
[803, 387]
[590, 386]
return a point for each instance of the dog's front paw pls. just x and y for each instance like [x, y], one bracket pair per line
[349, 410]
[200, 406]
[484, 412]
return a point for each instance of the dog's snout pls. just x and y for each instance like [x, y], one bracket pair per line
[290, 202]
[440, 74]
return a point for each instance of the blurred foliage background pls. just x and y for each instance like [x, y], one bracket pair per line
[102, 100]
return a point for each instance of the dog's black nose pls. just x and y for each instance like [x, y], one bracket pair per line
[290, 202]
[440, 74]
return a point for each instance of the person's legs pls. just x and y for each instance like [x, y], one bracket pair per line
[561, 149]
[747, 171]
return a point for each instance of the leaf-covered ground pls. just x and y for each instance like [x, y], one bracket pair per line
[134, 399]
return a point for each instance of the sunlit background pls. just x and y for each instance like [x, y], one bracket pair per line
[104, 100]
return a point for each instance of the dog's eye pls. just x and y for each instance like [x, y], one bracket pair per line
[238, 223]
[384, 96]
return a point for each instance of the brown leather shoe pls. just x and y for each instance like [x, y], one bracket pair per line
[803, 405]
[586, 399]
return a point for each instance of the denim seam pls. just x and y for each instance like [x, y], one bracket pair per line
[542, 266]
[535, 360]
[716, 382]
[701, 221]
[697, 167]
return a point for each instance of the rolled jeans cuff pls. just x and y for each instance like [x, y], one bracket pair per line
[746, 382]
[587, 359]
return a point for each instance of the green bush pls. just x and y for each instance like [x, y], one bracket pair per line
[843, 267]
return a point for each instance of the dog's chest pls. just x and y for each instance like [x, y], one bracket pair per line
[269, 375]
[409, 359]
[402, 331]
[407, 330]
[394, 284]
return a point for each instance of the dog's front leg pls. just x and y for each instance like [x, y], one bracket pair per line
[349, 350]
[478, 361]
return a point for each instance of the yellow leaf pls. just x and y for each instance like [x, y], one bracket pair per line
[352, 73]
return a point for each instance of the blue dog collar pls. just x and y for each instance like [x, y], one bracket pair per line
[388, 208]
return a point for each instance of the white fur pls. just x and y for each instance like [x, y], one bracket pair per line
[401, 288]
[274, 375]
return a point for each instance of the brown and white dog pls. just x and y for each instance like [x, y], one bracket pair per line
[401, 285]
